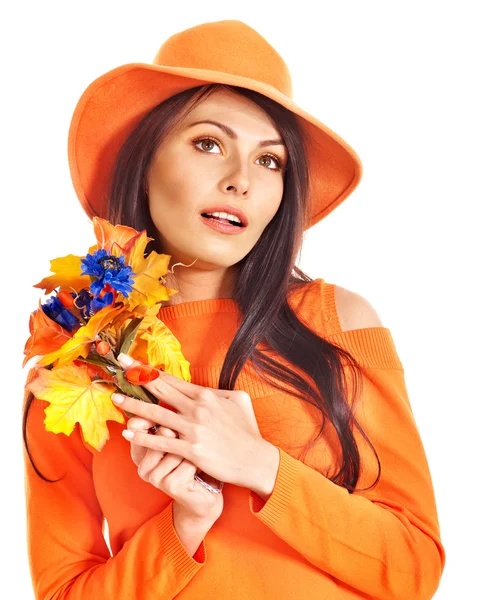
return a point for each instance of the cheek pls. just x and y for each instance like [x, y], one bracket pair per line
[263, 217]
[167, 178]
[273, 204]
[173, 195]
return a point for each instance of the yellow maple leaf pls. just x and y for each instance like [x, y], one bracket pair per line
[162, 349]
[74, 398]
[79, 344]
[67, 275]
[148, 288]
[148, 314]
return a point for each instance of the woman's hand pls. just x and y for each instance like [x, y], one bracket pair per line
[217, 429]
[174, 475]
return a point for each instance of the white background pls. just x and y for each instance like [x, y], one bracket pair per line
[399, 81]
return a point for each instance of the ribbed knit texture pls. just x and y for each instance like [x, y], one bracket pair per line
[310, 539]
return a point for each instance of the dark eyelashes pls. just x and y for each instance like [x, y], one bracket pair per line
[215, 141]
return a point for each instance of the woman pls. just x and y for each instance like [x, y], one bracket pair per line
[315, 482]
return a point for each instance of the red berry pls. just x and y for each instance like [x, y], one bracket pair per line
[66, 299]
[102, 347]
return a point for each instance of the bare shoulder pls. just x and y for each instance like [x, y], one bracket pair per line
[354, 311]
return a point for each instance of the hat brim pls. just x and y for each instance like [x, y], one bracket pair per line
[113, 104]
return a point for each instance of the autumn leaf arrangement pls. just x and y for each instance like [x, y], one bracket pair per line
[100, 305]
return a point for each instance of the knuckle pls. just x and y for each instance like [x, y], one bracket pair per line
[171, 485]
[243, 396]
[203, 396]
[157, 480]
[196, 451]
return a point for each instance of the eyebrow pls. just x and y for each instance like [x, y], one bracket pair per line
[231, 133]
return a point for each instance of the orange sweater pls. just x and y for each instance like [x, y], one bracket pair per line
[311, 539]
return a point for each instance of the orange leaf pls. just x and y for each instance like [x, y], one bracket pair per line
[45, 335]
[115, 239]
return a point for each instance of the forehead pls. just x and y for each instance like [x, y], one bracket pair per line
[236, 111]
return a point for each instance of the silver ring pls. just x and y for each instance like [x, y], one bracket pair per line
[209, 487]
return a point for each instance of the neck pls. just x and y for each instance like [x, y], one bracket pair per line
[196, 284]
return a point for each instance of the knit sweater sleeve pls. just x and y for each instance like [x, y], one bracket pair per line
[384, 542]
[67, 552]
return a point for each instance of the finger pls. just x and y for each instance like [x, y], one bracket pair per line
[180, 477]
[139, 424]
[152, 412]
[161, 390]
[137, 452]
[140, 453]
[162, 474]
[166, 432]
[185, 387]
[154, 460]
[160, 443]
[172, 390]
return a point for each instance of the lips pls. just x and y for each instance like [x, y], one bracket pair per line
[227, 209]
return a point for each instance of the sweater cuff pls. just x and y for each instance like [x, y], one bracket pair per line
[185, 566]
[270, 510]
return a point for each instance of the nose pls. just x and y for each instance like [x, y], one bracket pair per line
[237, 179]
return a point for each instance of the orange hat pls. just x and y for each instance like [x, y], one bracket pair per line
[228, 52]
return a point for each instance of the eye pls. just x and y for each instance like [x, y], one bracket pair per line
[211, 141]
[277, 160]
[207, 139]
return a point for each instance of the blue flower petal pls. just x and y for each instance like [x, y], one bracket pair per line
[55, 310]
[99, 303]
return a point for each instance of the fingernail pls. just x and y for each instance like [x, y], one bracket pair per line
[124, 359]
[128, 434]
[117, 398]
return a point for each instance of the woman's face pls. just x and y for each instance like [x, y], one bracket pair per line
[190, 173]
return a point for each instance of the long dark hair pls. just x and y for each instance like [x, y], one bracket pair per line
[264, 278]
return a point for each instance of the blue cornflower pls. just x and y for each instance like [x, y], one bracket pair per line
[106, 268]
[55, 310]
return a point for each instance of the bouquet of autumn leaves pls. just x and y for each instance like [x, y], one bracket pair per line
[102, 304]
